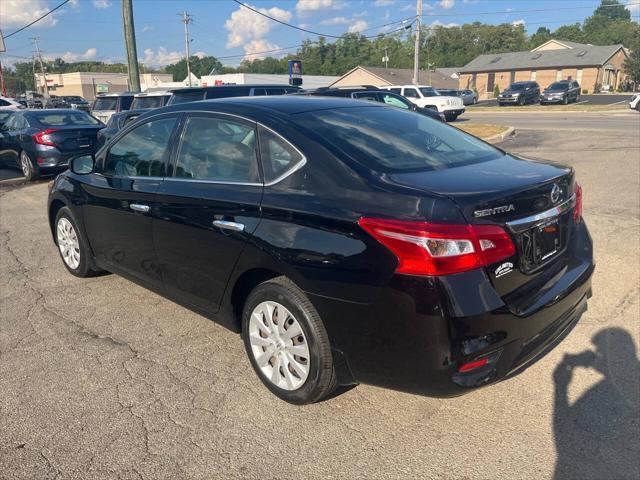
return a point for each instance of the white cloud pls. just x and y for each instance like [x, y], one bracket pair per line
[634, 7]
[307, 7]
[259, 45]
[101, 4]
[148, 28]
[336, 21]
[408, 7]
[358, 26]
[384, 3]
[18, 13]
[161, 57]
[446, 4]
[68, 56]
[245, 26]
[438, 23]
[304, 25]
[519, 22]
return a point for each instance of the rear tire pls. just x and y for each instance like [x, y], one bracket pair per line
[28, 170]
[287, 343]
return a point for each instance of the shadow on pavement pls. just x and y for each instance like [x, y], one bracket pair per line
[598, 436]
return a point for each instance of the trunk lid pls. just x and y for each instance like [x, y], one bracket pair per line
[506, 191]
[75, 139]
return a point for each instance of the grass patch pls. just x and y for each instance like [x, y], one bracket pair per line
[481, 130]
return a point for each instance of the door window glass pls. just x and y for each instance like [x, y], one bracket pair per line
[218, 149]
[411, 93]
[278, 156]
[394, 100]
[141, 152]
[370, 96]
[396, 90]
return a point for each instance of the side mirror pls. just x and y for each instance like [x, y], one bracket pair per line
[82, 165]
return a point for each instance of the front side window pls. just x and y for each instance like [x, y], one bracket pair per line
[411, 93]
[394, 100]
[278, 156]
[142, 152]
[370, 96]
[218, 149]
[396, 90]
[275, 91]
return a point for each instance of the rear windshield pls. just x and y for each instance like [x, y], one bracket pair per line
[64, 117]
[105, 103]
[395, 140]
[147, 102]
[185, 97]
[558, 86]
[74, 99]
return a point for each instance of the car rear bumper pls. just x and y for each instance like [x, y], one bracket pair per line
[419, 331]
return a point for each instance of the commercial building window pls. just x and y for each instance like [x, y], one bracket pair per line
[558, 75]
[579, 76]
[533, 75]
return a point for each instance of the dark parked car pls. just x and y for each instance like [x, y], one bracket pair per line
[117, 122]
[564, 91]
[77, 102]
[520, 93]
[43, 141]
[374, 94]
[347, 241]
[193, 94]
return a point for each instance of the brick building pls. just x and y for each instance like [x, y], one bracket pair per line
[593, 66]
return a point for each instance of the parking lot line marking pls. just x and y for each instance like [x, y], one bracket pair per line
[622, 101]
[583, 101]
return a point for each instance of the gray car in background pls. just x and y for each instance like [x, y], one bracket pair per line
[469, 97]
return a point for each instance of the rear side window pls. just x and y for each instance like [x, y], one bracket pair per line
[4, 103]
[394, 100]
[218, 149]
[411, 93]
[105, 103]
[275, 91]
[142, 152]
[186, 97]
[226, 92]
[278, 156]
[147, 102]
[396, 90]
[259, 92]
[371, 96]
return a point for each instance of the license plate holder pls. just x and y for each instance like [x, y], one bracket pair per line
[541, 243]
[83, 143]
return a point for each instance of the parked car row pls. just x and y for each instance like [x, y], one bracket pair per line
[523, 93]
[346, 240]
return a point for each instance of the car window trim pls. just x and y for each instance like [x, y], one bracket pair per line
[131, 127]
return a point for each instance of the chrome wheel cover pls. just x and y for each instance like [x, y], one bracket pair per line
[68, 243]
[279, 346]
[24, 164]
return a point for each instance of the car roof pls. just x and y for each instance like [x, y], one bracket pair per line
[119, 94]
[278, 105]
[239, 85]
[157, 93]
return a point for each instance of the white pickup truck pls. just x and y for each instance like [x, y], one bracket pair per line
[428, 97]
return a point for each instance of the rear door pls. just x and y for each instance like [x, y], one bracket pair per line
[10, 142]
[120, 198]
[208, 207]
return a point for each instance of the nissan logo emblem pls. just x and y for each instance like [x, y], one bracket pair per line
[556, 191]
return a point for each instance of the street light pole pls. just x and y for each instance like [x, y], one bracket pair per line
[130, 44]
[45, 89]
[186, 19]
[416, 53]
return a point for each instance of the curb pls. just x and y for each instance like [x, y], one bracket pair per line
[500, 137]
[544, 112]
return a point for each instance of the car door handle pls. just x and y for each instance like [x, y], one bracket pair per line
[227, 225]
[136, 207]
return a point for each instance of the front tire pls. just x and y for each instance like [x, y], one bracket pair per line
[287, 343]
[449, 117]
[28, 170]
[71, 246]
[565, 100]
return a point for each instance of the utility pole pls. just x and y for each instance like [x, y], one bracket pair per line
[130, 44]
[385, 59]
[186, 19]
[416, 53]
[45, 89]
[3, 87]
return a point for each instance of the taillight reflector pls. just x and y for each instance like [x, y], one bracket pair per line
[424, 248]
[467, 367]
[577, 210]
[43, 137]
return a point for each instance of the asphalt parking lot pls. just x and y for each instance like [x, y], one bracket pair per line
[601, 99]
[102, 379]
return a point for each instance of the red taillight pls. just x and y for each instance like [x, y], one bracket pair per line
[424, 248]
[43, 137]
[467, 367]
[577, 210]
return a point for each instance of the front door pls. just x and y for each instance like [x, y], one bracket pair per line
[208, 208]
[120, 199]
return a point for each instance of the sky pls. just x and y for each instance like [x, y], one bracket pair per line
[92, 29]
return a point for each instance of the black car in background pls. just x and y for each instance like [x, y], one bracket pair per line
[193, 94]
[117, 122]
[564, 91]
[374, 94]
[347, 241]
[77, 102]
[520, 93]
[43, 141]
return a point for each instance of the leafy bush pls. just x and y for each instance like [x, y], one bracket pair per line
[585, 91]
[496, 91]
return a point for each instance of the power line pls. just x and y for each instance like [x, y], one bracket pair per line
[536, 10]
[37, 19]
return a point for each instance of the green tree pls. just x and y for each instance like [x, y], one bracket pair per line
[199, 67]
[542, 35]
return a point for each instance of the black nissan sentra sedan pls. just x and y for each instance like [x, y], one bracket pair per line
[42, 141]
[348, 241]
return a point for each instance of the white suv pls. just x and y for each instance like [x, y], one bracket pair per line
[428, 97]
[9, 104]
[635, 102]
